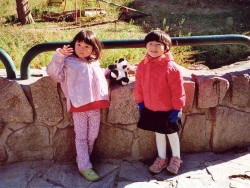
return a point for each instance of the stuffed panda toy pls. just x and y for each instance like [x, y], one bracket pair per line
[119, 72]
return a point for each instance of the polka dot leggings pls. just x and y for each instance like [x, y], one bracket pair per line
[86, 126]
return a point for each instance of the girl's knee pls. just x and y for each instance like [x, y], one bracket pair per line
[81, 137]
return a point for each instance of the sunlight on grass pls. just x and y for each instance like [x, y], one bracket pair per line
[16, 39]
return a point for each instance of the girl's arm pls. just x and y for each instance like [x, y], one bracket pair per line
[176, 84]
[56, 67]
[138, 86]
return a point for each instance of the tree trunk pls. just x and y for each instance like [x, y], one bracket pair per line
[23, 12]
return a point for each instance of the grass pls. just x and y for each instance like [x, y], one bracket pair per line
[16, 39]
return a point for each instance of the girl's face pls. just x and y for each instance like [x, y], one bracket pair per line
[155, 49]
[82, 49]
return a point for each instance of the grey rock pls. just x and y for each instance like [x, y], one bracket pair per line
[190, 94]
[240, 90]
[211, 90]
[134, 172]
[190, 140]
[194, 172]
[14, 107]
[122, 101]
[16, 175]
[117, 142]
[46, 101]
[225, 122]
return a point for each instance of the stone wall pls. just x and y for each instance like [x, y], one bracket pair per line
[34, 124]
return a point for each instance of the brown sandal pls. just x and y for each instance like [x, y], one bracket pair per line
[174, 165]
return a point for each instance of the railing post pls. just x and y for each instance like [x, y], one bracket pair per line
[9, 64]
[33, 52]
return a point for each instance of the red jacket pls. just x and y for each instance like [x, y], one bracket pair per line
[159, 83]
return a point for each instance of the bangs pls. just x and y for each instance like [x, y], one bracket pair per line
[159, 36]
[85, 38]
[152, 37]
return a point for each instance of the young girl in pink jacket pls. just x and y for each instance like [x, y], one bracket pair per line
[77, 69]
[160, 95]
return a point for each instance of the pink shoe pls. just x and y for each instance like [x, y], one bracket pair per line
[158, 165]
[174, 165]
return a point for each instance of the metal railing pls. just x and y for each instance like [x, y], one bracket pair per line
[9, 64]
[130, 43]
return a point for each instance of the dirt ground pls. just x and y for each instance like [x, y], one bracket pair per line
[197, 16]
[188, 17]
[191, 6]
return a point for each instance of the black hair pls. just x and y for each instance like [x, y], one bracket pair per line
[89, 38]
[159, 36]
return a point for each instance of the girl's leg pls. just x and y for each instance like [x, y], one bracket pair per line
[93, 129]
[81, 127]
[175, 144]
[161, 161]
[175, 160]
[161, 144]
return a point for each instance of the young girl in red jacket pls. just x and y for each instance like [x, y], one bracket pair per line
[77, 69]
[160, 95]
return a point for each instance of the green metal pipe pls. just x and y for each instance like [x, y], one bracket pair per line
[183, 41]
[134, 43]
[33, 52]
[211, 40]
[8, 64]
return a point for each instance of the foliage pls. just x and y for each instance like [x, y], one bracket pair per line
[216, 56]
[16, 39]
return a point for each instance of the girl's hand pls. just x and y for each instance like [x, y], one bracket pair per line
[66, 50]
[175, 115]
[141, 106]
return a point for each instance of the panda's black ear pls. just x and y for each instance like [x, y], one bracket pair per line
[111, 67]
[121, 60]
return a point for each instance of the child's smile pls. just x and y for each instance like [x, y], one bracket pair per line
[155, 49]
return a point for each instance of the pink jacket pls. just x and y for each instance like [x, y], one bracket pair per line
[82, 82]
[159, 84]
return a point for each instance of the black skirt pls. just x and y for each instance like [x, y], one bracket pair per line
[158, 121]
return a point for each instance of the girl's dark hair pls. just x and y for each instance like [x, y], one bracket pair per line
[159, 36]
[89, 38]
